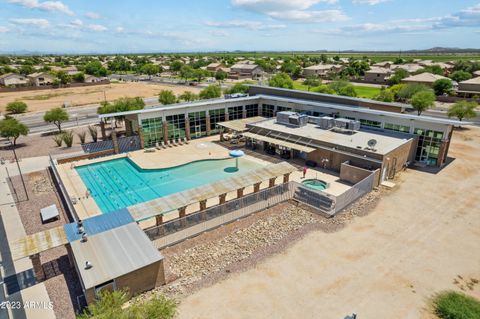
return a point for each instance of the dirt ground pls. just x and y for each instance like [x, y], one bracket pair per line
[419, 239]
[43, 100]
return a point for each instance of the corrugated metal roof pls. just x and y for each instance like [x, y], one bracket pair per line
[241, 125]
[267, 139]
[98, 224]
[38, 242]
[113, 253]
[175, 201]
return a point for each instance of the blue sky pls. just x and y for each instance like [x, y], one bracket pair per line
[81, 26]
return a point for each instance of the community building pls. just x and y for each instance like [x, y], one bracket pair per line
[430, 137]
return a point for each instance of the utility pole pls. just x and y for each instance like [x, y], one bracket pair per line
[19, 170]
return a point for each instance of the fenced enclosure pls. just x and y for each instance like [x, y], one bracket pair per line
[358, 190]
[322, 202]
[125, 144]
[194, 224]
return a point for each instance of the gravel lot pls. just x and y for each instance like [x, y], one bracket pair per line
[62, 282]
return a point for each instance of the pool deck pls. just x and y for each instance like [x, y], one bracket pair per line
[200, 149]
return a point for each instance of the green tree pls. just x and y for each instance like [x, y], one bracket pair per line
[398, 76]
[220, 75]
[463, 110]
[200, 74]
[460, 76]
[344, 88]
[11, 129]
[79, 77]
[210, 92]
[422, 100]
[385, 95]
[442, 86]
[95, 68]
[237, 88]
[186, 72]
[167, 97]
[26, 69]
[16, 107]
[292, 69]
[281, 80]
[312, 81]
[150, 69]
[64, 77]
[176, 66]
[188, 96]
[56, 116]
[407, 91]
[323, 89]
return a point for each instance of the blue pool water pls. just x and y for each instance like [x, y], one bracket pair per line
[120, 183]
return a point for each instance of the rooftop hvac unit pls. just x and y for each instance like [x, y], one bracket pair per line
[326, 122]
[353, 125]
[341, 123]
[292, 118]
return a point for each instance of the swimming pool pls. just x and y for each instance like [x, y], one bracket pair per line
[315, 184]
[120, 183]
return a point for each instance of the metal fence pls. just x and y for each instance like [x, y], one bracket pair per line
[63, 190]
[194, 224]
[322, 202]
[358, 190]
[125, 144]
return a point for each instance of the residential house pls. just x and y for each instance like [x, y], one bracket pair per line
[91, 79]
[423, 78]
[377, 75]
[469, 87]
[383, 64]
[214, 67]
[322, 70]
[13, 80]
[409, 67]
[41, 79]
[239, 71]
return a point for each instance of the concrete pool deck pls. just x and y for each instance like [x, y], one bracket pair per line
[199, 149]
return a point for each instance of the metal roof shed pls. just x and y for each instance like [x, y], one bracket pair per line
[120, 257]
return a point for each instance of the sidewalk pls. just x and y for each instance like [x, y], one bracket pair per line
[34, 300]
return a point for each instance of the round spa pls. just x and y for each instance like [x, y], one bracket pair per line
[315, 184]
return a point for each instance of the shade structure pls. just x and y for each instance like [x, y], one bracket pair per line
[236, 153]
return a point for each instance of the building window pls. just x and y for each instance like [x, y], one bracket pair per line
[216, 116]
[235, 113]
[370, 123]
[396, 127]
[428, 148]
[283, 109]
[176, 126]
[152, 131]
[268, 110]
[198, 124]
[252, 110]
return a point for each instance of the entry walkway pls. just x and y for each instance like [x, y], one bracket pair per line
[11, 229]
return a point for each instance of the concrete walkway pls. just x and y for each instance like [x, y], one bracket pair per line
[33, 300]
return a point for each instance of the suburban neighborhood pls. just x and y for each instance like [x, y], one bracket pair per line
[239, 159]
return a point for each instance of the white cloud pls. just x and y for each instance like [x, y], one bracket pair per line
[51, 6]
[369, 2]
[96, 27]
[77, 23]
[4, 29]
[218, 33]
[40, 23]
[93, 15]
[293, 10]
[253, 25]
[119, 29]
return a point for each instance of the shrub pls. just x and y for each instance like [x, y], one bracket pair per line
[454, 305]
[442, 86]
[409, 90]
[167, 97]
[343, 88]
[111, 305]
[58, 138]
[323, 89]
[210, 92]
[67, 137]
[460, 76]
[237, 88]
[385, 95]
[82, 136]
[16, 107]
[281, 80]
[93, 133]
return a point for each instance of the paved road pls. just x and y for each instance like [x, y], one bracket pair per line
[79, 116]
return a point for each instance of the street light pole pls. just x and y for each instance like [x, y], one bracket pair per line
[19, 170]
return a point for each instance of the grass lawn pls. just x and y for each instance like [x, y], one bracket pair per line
[362, 91]
[366, 91]
[454, 305]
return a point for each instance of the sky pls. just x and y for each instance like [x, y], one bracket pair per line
[108, 26]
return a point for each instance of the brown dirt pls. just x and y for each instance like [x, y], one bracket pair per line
[415, 242]
[43, 100]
